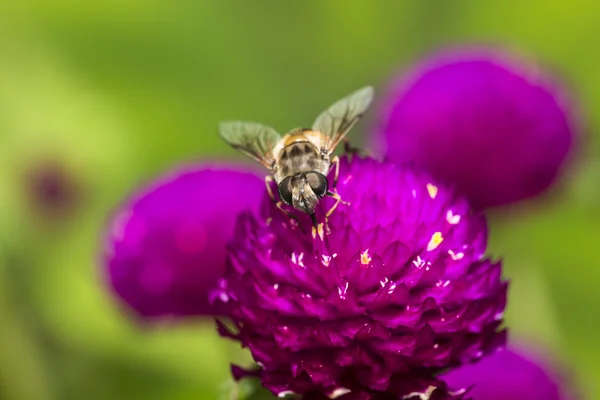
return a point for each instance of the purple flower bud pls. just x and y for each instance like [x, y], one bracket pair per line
[166, 245]
[511, 375]
[486, 121]
[397, 291]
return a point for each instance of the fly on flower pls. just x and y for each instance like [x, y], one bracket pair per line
[300, 161]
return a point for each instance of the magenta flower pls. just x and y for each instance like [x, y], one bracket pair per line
[511, 375]
[487, 122]
[166, 245]
[399, 290]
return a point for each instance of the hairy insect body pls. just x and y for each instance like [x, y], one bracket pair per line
[300, 160]
[299, 154]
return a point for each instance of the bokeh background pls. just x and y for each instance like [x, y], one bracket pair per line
[98, 97]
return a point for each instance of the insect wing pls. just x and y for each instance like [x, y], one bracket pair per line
[253, 139]
[338, 119]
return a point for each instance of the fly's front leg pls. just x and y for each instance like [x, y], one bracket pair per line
[335, 162]
[268, 180]
[338, 200]
[279, 204]
[348, 148]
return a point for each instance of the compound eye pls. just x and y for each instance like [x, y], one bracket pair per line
[285, 190]
[318, 183]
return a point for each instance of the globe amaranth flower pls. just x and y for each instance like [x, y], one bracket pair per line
[397, 291]
[512, 374]
[166, 245]
[484, 120]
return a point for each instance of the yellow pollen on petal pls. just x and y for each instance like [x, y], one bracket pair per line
[433, 190]
[365, 258]
[435, 241]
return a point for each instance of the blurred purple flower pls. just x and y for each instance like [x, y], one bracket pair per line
[483, 120]
[398, 291]
[166, 245]
[511, 375]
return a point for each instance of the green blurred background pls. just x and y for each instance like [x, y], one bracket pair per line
[117, 92]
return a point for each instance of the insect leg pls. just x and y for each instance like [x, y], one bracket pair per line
[268, 180]
[348, 148]
[338, 200]
[336, 160]
[278, 204]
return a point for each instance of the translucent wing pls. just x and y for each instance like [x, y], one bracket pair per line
[252, 139]
[338, 119]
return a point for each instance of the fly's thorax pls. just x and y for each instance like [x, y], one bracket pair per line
[297, 157]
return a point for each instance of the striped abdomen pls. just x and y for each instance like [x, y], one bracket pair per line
[297, 157]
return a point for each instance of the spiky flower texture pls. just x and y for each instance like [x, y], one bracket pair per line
[398, 291]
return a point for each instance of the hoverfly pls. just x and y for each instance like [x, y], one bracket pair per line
[300, 161]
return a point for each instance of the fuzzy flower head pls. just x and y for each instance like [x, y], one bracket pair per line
[486, 121]
[166, 245]
[397, 291]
